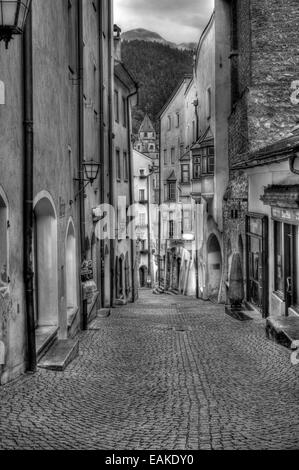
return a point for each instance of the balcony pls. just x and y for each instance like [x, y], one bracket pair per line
[143, 201]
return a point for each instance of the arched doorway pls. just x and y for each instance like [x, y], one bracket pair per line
[143, 276]
[71, 269]
[46, 263]
[214, 267]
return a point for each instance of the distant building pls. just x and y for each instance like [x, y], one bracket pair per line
[147, 142]
[146, 189]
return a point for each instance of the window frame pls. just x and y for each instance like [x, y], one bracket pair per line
[185, 171]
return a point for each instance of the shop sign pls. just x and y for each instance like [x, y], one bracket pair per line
[286, 215]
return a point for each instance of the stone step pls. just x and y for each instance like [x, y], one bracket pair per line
[283, 330]
[45, 338]
[103, 313]
[60, 355]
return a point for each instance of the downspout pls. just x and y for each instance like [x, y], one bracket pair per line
[149, 231]
[196, 212]
[160, 202]
[84, 318]
[28, 222]
[102, 150]
[131, 183]
[110, 150]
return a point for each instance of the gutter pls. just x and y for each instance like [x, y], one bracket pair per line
[28, 219]
[102, 151]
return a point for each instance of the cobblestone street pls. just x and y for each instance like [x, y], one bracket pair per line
[168, 373]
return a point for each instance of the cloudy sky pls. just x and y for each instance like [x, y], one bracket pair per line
[176, 20]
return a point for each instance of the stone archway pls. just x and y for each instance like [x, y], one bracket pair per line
[214, 267]
[46, 262]
[71, 269]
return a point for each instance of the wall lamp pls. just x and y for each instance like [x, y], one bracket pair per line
[91, 171]
[13, 15]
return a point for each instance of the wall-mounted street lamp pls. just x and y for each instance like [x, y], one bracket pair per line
[13, 15]
[91, 171]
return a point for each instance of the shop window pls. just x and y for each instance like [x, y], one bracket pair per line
[4, 279]
[116, 105]
[286, 266]
[257, 261]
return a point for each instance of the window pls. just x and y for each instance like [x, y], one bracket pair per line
[126, 170]
[169, 123]
[143, 245]
[171, 225]
[178, 120]
[185, 173]
[116, 105]
[4, 280]
[187, 221]
[118, 165]
[145, 135]
[165, 157]
[193, 131]
[142, 172]
[142, 219]
[209, 102]
[173, 156]
[181, 150]
[257, 254]
[72, 37]
[211, 160]
[124, 104]
[141, 195]
[196, 167]
[171, 191]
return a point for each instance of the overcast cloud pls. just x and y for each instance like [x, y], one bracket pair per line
[176, 20]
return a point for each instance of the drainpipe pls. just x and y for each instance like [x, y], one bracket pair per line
[149, 231]
[84, 318]
[102, 149]
[160, 202]
[131, 183]
[28, 193]
[110, 150]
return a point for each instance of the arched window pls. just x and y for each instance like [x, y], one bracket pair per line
[4, 277]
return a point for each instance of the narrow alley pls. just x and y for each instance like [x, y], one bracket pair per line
[169, 372]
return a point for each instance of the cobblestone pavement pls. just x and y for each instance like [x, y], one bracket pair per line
[167, 373]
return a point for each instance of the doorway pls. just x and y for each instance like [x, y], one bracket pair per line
[143, 276]
[214, 267]
[46, 264]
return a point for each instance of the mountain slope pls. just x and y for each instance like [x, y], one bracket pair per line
[157, 68]
[140, 34]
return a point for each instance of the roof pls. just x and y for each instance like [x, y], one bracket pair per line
[125, 77]
[278, 151]
[186, 156]
[172, 176]
[147, 125]
[174, 93]
[206, 137]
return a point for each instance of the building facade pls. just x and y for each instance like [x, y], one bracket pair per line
[147, 141]
[56, 170]
[261, 202]
[125, 95]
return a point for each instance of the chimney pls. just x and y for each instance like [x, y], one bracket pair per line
[117, 42]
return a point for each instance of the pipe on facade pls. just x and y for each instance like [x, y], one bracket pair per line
[110, 149]
[28, 218]
[131, 183]
[102, 148]
[81, 155]
[160, 203]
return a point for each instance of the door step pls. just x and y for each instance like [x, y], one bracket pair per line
[61, 354]
[283, 330]
[45, 336]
